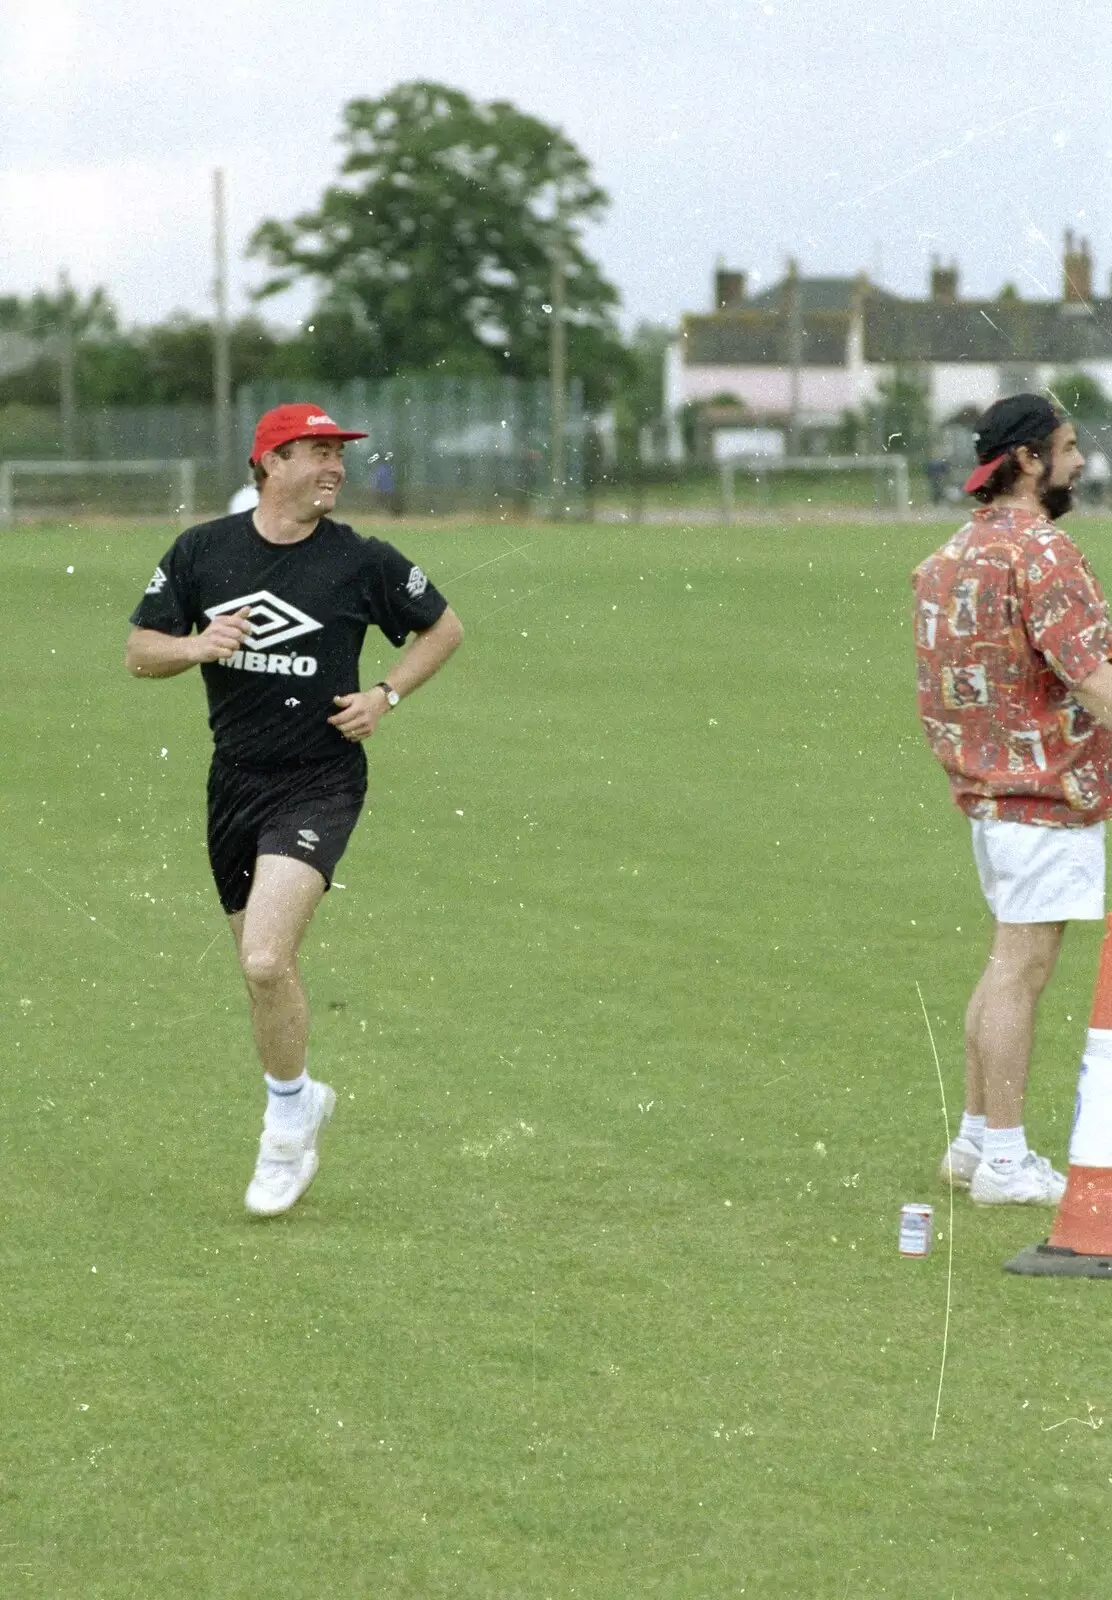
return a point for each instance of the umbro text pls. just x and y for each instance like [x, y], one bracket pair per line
[286, 666]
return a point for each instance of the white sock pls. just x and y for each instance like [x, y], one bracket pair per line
[1004, 1146]
[285, 1101]
[972, 1128]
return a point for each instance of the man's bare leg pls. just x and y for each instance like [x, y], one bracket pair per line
[268, 934]
[974, 1070]
[1000, 1021]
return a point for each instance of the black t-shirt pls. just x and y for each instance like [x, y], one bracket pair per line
[311, 604]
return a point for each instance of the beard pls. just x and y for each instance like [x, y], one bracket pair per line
[1055, 498]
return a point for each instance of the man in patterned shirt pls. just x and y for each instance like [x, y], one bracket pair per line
[1012, 639]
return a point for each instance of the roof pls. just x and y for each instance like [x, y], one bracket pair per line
[993, 332]
[816, 294]
[763, 339]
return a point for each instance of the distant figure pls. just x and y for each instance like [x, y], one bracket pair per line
[384, 486]
[938, 477]
[1097, 474]
[245, 499]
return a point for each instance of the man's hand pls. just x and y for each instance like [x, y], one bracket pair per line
[360, 714]
[224, 635]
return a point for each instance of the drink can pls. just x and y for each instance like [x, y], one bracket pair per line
[915, 1230]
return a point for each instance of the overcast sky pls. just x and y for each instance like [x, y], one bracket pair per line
[851, 134]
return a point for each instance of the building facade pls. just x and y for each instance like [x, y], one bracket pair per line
[799, 356]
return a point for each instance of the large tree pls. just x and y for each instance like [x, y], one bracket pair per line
[434, 251]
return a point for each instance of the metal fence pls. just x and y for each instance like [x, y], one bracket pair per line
[109, 433]
[435, 443]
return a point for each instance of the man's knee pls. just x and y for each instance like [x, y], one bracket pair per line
[1027, 955]
[264, 967]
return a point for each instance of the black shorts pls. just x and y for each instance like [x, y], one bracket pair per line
[306, 812]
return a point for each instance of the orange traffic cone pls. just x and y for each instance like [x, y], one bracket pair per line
[1080, 1243]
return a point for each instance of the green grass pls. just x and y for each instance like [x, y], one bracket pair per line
[780, 492]
[597, 1294]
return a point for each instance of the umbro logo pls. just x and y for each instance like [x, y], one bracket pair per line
[306, 838]
[416, 583]
[273, 621]
[157, 583]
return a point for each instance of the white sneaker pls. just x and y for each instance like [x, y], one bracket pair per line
[960, 1163]
[288, 1162]
[1030, 1182]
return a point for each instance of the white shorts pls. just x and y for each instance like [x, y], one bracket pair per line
[1032, 874]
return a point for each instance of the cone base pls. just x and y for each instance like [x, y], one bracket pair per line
[1058, 1261]
[1083, 1222]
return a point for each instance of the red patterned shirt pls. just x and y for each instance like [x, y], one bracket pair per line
[1009, 618]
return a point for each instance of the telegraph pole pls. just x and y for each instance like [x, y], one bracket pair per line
[795, 354]
[558, 373]
[67, 376]
[221, 340]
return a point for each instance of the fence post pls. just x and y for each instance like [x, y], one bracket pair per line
[726, 478]
[187, 478]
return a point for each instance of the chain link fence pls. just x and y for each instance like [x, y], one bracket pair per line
[438, 444]
[435, 444]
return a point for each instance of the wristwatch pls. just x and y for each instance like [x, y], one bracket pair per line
[392, 695]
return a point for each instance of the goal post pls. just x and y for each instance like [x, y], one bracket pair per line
[892, 468]
[181, 472]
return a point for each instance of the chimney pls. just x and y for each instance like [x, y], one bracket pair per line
[1077, 271]
[944, 283]
[729, 289]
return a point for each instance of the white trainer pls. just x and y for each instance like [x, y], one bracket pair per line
[1030, 1182]
[960, 1163]
[288, 1162]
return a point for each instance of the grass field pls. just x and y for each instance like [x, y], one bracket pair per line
[597, 1293]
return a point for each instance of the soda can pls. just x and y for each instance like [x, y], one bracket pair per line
[915, 1230]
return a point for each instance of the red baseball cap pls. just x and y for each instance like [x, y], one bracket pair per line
[286, 423]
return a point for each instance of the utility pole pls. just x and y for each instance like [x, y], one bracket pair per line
[795, 354]
[221, 341]
[67, 376]
[558, 373]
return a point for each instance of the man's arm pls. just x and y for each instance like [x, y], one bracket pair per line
[151, 654]
[424, 655]
[1095, 694]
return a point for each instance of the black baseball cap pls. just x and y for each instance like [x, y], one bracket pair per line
[1016, 420]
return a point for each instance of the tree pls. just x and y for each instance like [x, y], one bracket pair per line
[179, 357]
[1082, 397]
[901, 415]
[435, 250]
[63, 324]
[639, 396]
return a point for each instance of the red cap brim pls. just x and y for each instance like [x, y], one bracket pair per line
[980, 475]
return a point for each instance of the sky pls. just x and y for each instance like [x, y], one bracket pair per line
[851, 134]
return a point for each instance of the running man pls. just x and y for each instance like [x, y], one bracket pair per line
[273, 605]
[1015, 695]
